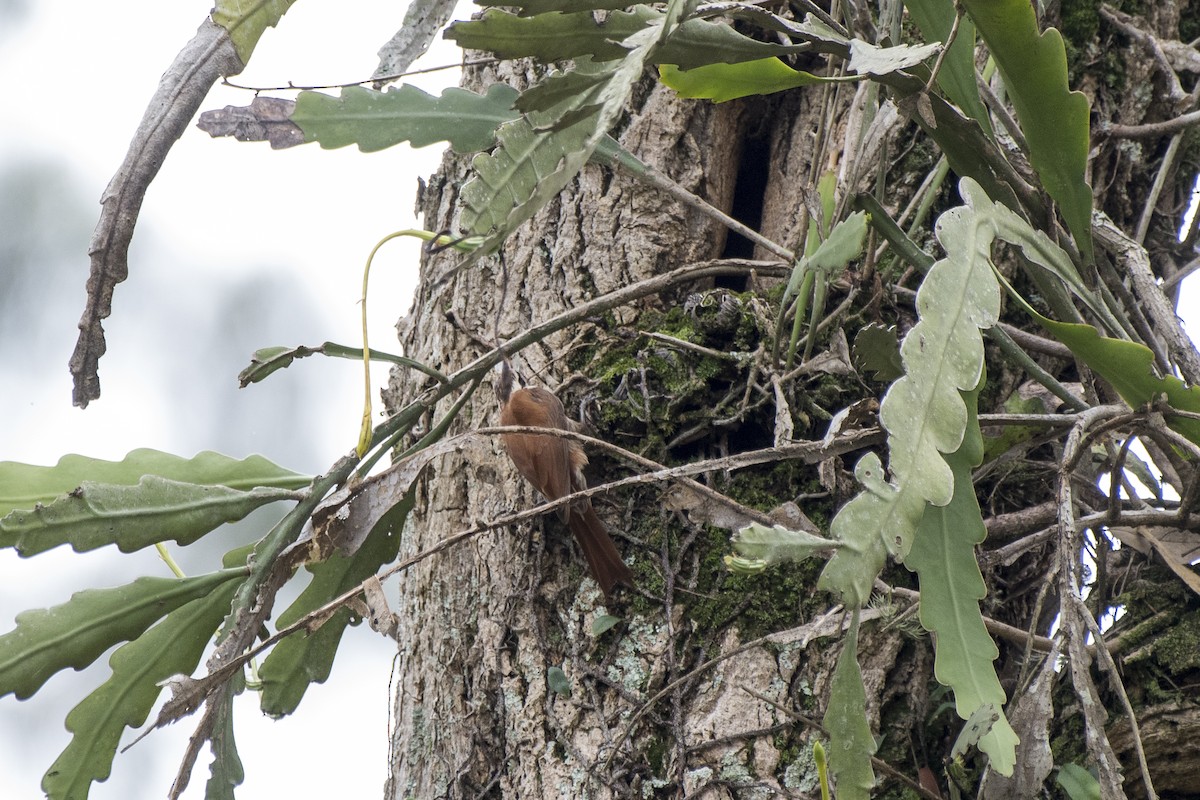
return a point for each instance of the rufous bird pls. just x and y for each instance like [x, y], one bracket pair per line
[554, 465]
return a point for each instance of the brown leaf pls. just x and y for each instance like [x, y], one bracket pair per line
[1176, 548]
[347, 516]
[379, 614]
[266, 119]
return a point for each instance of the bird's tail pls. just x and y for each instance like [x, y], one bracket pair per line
[602, 556]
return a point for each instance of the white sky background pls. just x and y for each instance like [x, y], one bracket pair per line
[238, 247]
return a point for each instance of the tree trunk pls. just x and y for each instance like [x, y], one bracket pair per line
[480, 710]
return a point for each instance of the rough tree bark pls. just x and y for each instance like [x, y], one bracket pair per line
[482, 624]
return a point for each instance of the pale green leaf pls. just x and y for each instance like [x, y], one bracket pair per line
[867, 59]
[943, 556]
[723, 82]
[422, 20]
[25, 485]
[776, 544]
[1043, 252]
[1078, 783]
[979, 725]
[957, 76]
[246, 22]
[558, 37]
[170, 648]
[851, 744]
[923, 412]
[860, 526]
[560, 89]
[377, 120]
[131, 517]
[603, 622]
[1129, 367]
[843, 244]
[529, 168]
[1055, 119]
[79, 631]
[529, 8]
[557, 681]
[539, 153]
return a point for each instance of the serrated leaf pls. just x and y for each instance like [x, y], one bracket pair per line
[978, 725]
[923, 412]
[377, 120]
[968, 149]
[1129, 367]
[868, 59]
[546, 37]
[131, 517]
[724, 82]
[861, 526]
[422, 20]
[539, 154]
[1055, 119]
[776, 544]
[558, 37]
[528, 169]
[935, 18]
[1042, 251]
[246, 22]
[266, 119]
[300, 660]
[943, 556]
[851, 744]
[171, 647]
[698, 42]
[557, 682]
[226, 772]
[877, 349]
[559, 88]
[24, 485]
[79, 631]
[843, 244]
[529, 8]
